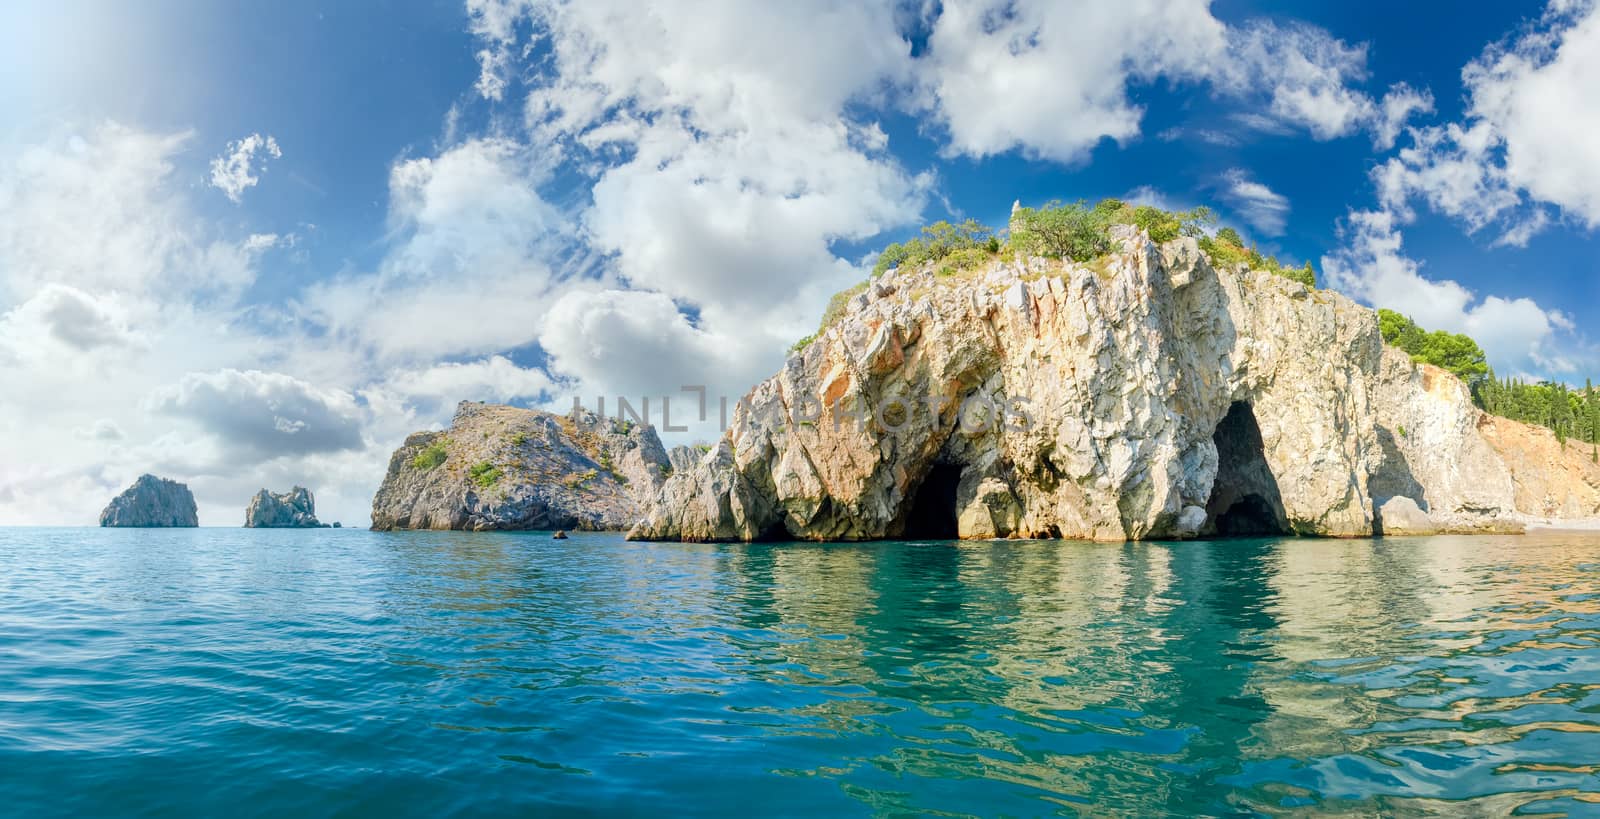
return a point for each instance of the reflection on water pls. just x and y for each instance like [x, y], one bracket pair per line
[439, 673]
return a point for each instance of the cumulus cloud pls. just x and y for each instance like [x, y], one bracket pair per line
[1517, 334]
[495, 378]
[469, 269]
[1263, 208]
[262, 415]
[97, 209]
[235, 171]
[636, 344]
[61, 322]
[1051, 79]
[1524, 139]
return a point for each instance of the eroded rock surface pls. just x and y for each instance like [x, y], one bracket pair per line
[1146, 395]
[500, 467]
[295, 509]
[152, 502]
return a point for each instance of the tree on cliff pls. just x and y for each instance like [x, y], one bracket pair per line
[1454, 352]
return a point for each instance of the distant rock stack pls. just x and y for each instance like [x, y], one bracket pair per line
[295, 509]
[152, 502]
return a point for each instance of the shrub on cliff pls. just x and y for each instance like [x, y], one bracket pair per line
[432, 456]
[938, 240]
[1061, 231]
[484, 474]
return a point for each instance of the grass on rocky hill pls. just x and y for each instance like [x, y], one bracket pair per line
[1076, 232]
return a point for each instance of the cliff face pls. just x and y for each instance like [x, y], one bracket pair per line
[152, 502]
[295, 509]
[1146, 395]
[500, 467]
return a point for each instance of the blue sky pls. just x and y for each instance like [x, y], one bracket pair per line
[251, 244]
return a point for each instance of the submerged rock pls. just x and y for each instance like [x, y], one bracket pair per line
[295, 509]
[152, 502]
[1146, 395]
[500, 467]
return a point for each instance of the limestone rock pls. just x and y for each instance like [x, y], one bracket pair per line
[1400, 515]
[295, 509]
[1149, 394]
[152, 502]
[500, 467]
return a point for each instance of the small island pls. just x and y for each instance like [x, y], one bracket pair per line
[152, 502]
[295, 509]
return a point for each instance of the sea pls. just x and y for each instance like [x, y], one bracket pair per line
[242, 673]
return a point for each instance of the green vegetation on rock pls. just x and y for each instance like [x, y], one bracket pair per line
[430, 457]
[1571, 414]
[484, 474]
[1075, 231]
[1452, 351]
[937, 241]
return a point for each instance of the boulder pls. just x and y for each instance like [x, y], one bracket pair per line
[152, 502]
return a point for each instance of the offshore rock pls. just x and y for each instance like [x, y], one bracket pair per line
[152, 502]
[500, 467]
[1148, 394]
[295, 509]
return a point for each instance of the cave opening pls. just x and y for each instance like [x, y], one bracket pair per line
[1245, 501]
[933, 510]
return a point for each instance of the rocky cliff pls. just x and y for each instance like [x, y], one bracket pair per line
[1147, 394]
[295, 509]
[152, 502]
[500, 467]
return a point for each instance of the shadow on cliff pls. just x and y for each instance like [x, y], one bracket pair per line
[1245, 499]
[1394, 479]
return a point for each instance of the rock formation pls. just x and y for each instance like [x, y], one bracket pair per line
[152, 502]
[1143, 395]
[500, 467]
[295, 509]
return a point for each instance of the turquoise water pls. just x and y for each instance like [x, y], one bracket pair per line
[350, 673]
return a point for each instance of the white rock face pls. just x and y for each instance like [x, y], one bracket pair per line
[1144, 396]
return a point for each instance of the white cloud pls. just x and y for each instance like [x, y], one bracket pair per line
[1050, 78]
[1524, 139]
[1395, 110]
[1263, 208]
[61, 323]
[635, 344]
[1517, 334]
[469, 270]
[727, 147]
[1537, 93]
[98, 210]
[495, 378]
[1305, 74]
[103, 429]
[235, 171]
[257, 416]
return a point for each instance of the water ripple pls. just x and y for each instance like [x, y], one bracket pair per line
[351, 673]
